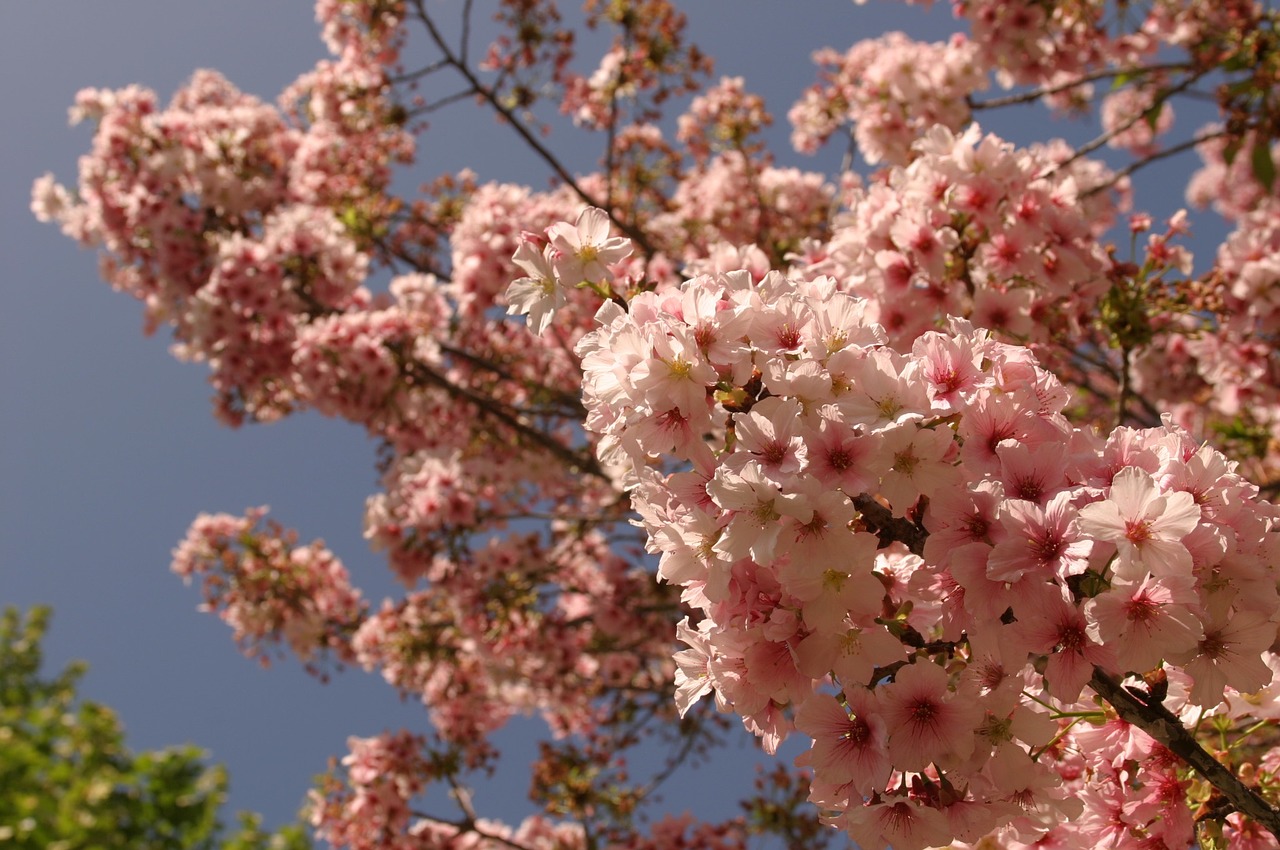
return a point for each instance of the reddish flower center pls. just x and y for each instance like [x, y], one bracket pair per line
[1137, 531]
[1071, 638]
[924, 711]
[1140, 609]
[839, 459]
[1049, 548]
[1213, 645]
[775, 452]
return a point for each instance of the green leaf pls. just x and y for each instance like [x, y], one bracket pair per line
[68, 781]
[1264, 168]
[1231, 150]
[1152, 115]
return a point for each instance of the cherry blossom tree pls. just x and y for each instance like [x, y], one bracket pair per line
[953, 465]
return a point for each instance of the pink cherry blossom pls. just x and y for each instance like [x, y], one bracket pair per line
[585, 251]
[1146, 525]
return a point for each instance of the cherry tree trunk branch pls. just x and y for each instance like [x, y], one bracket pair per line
[1100, 140]
[1157, 721]
[1155, 157]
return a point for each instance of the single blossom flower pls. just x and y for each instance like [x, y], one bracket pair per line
[537, 296]
[583, 252]
[927, 723]
[1147, 525]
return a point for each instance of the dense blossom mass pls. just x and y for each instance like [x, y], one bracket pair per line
[956, 467]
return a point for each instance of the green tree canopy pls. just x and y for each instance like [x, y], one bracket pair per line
[69, 782]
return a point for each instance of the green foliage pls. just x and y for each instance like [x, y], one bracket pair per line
[68, 781]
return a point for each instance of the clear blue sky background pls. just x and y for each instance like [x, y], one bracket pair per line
[107, 446]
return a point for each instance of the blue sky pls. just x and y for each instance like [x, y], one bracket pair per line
[107, 446]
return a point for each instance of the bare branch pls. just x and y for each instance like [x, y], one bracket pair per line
[1100, 140]
[442, 102]
[576, 460]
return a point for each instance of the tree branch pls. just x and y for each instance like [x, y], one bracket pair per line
[1155, 157]
[888, 527]
[485, 93]
[1100, 140]
[1149, 715]
[1152, 717]
[577, 461]
[1109, 73]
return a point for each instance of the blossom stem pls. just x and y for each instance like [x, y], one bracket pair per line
[1035, 756]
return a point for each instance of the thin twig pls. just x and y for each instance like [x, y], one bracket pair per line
[424, 71]
[1122, 398]
[573, 405]
[442, 102]
[544, 153]
[1100, 140]
[1028, 97]
[464, 45]
[577, 461]
[1155, 157]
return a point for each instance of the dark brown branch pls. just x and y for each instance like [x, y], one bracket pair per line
[1100, 140]
[447, 100]
[1100, 364]
[464, 45]
[572, 404]
[425, 71]
[1152, 717]
[1122, 398]
[1148, 714]
[889, 528]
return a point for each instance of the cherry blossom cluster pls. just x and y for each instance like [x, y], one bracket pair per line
[974, 226]
[1225, 181]
[376, 808]
[1133, 117]
[724, 117]
[533, 56]
[737, 202]
[1215, 365]
[517, 626]
[891, 89]
[227, 220]
[571, 256]
[269, 589]
[886, 532]
[362, 26]
[1026, 42]
[931, 678]
[1032, 43]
